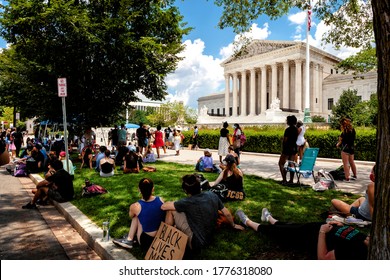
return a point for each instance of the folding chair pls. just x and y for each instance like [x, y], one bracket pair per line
[306, 167]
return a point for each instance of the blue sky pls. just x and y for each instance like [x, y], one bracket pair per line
[200, 73]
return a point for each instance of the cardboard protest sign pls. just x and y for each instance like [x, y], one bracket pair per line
[169, 244]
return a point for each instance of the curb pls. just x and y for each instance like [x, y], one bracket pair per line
[88, 230]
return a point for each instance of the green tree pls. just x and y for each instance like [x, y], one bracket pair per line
[173, 113]
[354, 23]
[362, 62]
[365, 113]
[344, 107]
[107, 49]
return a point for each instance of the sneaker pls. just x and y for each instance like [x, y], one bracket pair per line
[354, 221]
[347, 180]
[265, 214]
[242, 216]
[29, 206]
[353, 177]
[124, 242]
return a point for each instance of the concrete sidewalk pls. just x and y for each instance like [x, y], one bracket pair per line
[266, 166]
[61, 231]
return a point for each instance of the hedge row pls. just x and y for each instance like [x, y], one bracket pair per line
[270, 142]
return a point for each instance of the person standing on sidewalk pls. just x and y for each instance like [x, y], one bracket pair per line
[237, 138]
[289, 149]
[224, 141]
[347, 144]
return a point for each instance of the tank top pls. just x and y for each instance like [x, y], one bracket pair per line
[364, 209]
[151, 214]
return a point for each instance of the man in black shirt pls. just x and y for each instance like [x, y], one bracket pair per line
[58, 187]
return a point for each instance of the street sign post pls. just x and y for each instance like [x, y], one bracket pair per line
[62, 92]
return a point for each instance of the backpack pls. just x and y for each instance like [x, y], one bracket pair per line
[242, 138]
[338, 174]
[324, 181]
[20, 170]
[91, 189]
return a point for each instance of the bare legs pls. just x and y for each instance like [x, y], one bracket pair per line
[348, 162]
[282, 160]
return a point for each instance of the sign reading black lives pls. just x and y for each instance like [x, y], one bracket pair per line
[169, 244]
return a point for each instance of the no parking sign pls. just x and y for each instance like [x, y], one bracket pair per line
[62, 92]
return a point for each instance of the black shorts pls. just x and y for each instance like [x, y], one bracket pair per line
[55, 195]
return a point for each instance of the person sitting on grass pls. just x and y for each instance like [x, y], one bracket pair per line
[132, 161]
[323, 241]
[86, 157]
[205, 163]
[58, 187]
[363, 207]
[107, 165]
[66, 165]
[149, 154]
[146, 216]
[233, 153]
[99, 156]
[197, 214]
[231, 178]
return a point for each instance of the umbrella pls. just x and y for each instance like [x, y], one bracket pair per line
[131, 125]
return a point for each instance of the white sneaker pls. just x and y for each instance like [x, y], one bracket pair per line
[265, 214]
[242, 216]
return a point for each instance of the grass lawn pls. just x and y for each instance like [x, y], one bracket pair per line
[292, 204]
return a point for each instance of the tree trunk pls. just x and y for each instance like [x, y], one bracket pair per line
[380, 231]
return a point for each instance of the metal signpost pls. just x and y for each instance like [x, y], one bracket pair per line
[62, 92]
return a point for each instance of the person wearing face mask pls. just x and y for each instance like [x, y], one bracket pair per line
[363, 207]
[237, 138]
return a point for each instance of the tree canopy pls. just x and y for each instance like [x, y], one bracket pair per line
[108, 50]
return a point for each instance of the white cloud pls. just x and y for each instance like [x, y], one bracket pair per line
[299, 19]
[254, 33]
[196, 75]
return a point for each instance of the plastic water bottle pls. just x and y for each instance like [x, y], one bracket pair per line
[106, 231]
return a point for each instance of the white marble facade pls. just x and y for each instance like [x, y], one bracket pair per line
[274, 71]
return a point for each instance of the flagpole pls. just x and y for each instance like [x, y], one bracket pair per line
[307, 118]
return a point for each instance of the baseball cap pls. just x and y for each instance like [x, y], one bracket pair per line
[62, 154]
[230, 159]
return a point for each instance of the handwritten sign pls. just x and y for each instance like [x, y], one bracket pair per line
[169, 244]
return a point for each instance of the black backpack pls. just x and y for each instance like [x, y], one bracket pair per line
[338, 174]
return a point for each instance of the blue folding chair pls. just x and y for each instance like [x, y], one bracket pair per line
[306, 167]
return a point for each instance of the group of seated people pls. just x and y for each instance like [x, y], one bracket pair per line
[332, 240]
[128, 158]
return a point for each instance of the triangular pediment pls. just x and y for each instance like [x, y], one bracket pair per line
[258, 47]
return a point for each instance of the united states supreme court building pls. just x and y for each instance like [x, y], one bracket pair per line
[268, 83]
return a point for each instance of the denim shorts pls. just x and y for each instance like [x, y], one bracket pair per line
[355, 211]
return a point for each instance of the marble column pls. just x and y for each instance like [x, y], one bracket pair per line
[320, 80]
[274, 80]
[264, 104]
[298, 85]
[243, 94]
[286, 85]
[314, 94]
[235, 95]
[252, 100]
[227, 94]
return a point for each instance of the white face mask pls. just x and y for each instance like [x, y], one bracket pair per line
[234, 126]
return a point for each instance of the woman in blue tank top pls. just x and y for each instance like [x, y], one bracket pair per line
[146, 216]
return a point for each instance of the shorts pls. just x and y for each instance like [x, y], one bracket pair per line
[55, 195]
[355, 212]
